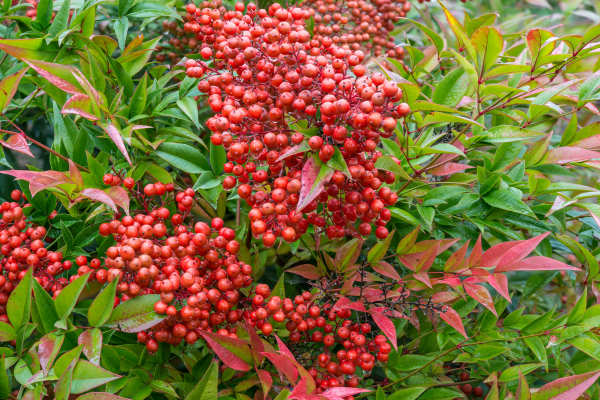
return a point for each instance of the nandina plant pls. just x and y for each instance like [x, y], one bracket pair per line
[334, 200]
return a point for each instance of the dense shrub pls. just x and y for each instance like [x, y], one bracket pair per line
[325, 199]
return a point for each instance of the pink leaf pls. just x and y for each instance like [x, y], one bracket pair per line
[521, 250]
[387, 327]
[75, 175]
[120, 197]
[283, 366]
[500, 283]
[356, 306]
[452, 318]
[422, 277]
[266, 381]
[300, 392]
[116, 137]
[386, 269]
[426, 261]
[99, 195]
[592, 142]
[79, 104]
[225, 346]
[482, 295]
[314, 176]
[8, 88]
[39, 181]
[449, 169]
[452, 281]
[343, 392]
[443, 297]
[537, 263]
[61, 76]
[568, 388]
[565, 155]
[18, 143]
[256, 345]
[307, 271]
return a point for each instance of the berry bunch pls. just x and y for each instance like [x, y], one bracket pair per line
[315, 332]
[22, 246]
[265, 73]
[193, 268]
[362, 24]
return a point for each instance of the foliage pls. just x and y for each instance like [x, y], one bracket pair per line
[335, 200]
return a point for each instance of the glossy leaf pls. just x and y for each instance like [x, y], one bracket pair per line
[135, 315]
[314, 176]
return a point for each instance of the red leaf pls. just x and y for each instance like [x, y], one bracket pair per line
[62, 82]
[266, 381]
[478, 278]
[482, 295]
[18, 143]
[452, 281]
[448, 169]
[116, 137]
[314, 176]
[475, 256]
[348, 253]
[99, 195]
[452, 318]
[80, 104]
[307, 271]
[426, 261]
[420, 248]
[387, 327]
[283, 366]
[8, 88]
[120, 197]
[455, 261]
[592, 142]
[443, 297]
[256, 345]
[537, 263]
[500, 283]
[493, 255]
[521, 250]
[565, 155]
[568, 388]
[224, 346]
[386, 269]
[283, 348]
[422, 277]
[300, 392]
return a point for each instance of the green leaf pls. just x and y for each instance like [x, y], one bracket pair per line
[450, 90]
[538, 349]
[338, 163]
[586, 345]
[18, 307]
[535, 283]
[61, 20]
[120, 26]
[5, 387]
[437, 40]
[404, 216]
[138, 100]
[207, 387]
[102, 306]
[505, 200]
[218, 158]
[386, 163]
[45, 306]
[488, 44]
[8, 88]
[67, 236]
[136, 314]
[67, 298]
[7, 332]
[378, 251]
[87, 376]
[189, 106]
[512, 373]
[44, 13]
[539, 324]
[184, 157]
[576, 314]
[150, 9]
[509, 133]
[31, 49]
[380, 394]
[405, 394]
[411, 362]
[96, 169]
[438, 117]
[589, 87]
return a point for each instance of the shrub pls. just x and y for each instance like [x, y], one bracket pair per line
[297, 207]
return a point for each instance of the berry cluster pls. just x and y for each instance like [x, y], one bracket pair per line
[315, 332]
[22, 246]
[359, 24]
[193, 268]
[265, 73]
